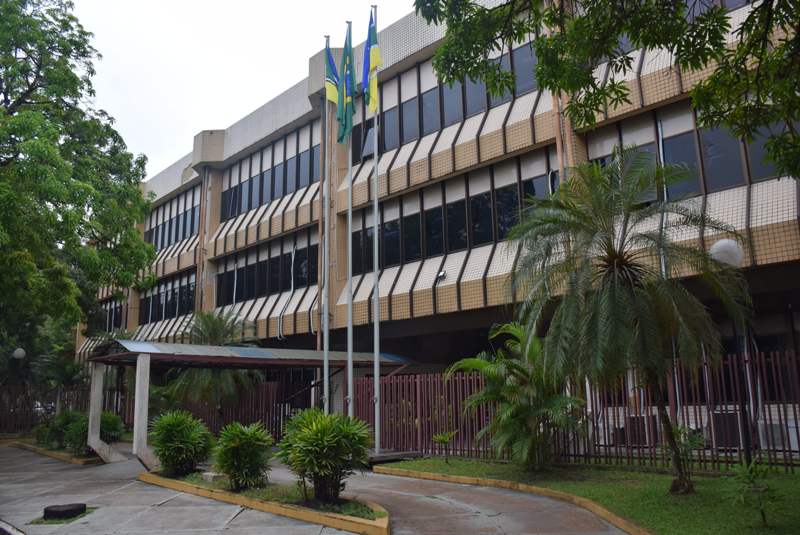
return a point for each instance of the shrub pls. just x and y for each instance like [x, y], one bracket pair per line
[59, 427]
[324, 449]
[180, 441]
[111, 427]
[242, 453]
[43, 434]
[76, 434]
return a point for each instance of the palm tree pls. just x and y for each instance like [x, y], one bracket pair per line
[604, 267]
[217, 387]
[529, 403]
[61, 373]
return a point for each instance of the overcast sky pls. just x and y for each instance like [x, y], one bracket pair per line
[171, 68]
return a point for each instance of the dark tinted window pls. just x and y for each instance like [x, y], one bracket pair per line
[412, 238]
[244, 191]
[313, 264]
[250, 282]
[291, 174]
[286, 271]
[315, 163]
[456, 225]
[239, 282]
[475, 97]
[391, 242]
[277, 181]
[734, 4]
[368, 253]
[434, 231]
[761, 167]
[524, 69]
[480, 214]
[505, 64]
[274, 274]
[452, 103]
[680, 150]
[358, 252]
[262, 278]
[537, 186]
[430, 111]
[357, 143]
[369, 141]
[301, 268]
[410, 110]
[255, 191]
[266, 186]
[507, 209]
[722, 159]
[304, 176]
[390, 127]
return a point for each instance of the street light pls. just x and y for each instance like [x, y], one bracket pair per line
[18, 353]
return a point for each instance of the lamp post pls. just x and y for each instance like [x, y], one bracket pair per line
[18, 354]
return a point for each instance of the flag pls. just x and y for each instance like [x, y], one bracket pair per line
[372, 60]
[345, 107]
[331, 76]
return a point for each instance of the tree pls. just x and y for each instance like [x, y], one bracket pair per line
[60, 373]
[69, 189]
[529, 403]
[604, 268]
[753, 88]
[219, 386]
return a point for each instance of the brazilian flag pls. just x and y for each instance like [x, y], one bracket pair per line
[372, 60]
[345, 107]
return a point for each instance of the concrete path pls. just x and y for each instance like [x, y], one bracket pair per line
[29, 482]
[437, 508]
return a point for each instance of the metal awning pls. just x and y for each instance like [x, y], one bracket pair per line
[125, 352]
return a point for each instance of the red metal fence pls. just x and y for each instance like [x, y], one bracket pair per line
[744, 402]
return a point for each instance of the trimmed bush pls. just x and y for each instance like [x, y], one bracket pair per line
[111, 427]
[325, 449]
[43, 434]
[75, 435]
[180, 441]
[242, 453]
[59, 427]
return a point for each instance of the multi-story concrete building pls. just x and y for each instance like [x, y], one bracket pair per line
[237, 221]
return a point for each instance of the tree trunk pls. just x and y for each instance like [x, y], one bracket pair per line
[682, 484]
[59, 395]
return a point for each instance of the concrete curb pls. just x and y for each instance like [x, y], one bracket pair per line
[379, 526]
[61, 456]
[617, 521]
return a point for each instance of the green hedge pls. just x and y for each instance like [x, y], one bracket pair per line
[180, 441]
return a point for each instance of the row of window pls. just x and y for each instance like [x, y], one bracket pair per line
[171, 297]
[174, 220]
[278, 266]
[465, 211]
[426, 106]
[110, 316]
[714, 159]
[288, 164]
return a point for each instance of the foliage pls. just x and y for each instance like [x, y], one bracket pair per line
[60, 372]
[242, 453]
[59, 427]
[55, 337]
[69, 189]
[604, 268]
[753, 490]
[43, 434]
[688, 440]
[443, 440]
[753, 85]
[111, 427]
[217, 387]
[180, 441]
[324, 449]
[76, 435]
[529, 403]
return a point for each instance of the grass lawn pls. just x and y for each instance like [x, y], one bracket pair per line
[289, 494]
[63, 520]
[642, 497]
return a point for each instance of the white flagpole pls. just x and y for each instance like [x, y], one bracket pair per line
[376, 364]
[326, 387]
[350, 393]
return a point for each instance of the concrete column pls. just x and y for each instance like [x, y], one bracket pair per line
[141, 398]
[104, 450]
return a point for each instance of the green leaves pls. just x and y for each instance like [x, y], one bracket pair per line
[180, 441]
[242, 453]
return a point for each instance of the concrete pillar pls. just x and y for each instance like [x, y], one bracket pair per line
[141, 398]
[104, 450]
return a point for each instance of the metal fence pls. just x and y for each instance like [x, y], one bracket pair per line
[743, 403]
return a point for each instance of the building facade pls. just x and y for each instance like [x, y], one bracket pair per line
[237, 221]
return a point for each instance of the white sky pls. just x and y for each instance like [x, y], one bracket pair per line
[172, 68]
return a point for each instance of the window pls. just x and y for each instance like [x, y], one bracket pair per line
[475, 97]
[761, 166]
[262, 278]
[537, 186]
[410, 109]
[456, 225]
[266, 186]
[358, 252]
[452, 101]
[315, 163]
[277, 181]
[391, 242]
[274, 274]
[244, 191]
[412, 242]
[250, 282]
[680, 150]
[524, 69]
[434, 232]
[305, 169]
[357, 143]
[507, 209]
[722, 159]
[391, 134]
[313, 264]
[291, 174]
[369, 141]
[286, 272]
[430, 111]
[239, 284]
[480, 214]
[223, 205]
[255, 191]
[367, 236]
[301, 268]
[505, 65]
[196, 219]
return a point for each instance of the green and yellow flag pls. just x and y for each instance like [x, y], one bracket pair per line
[345, 108]
[331, 76]
[372, 60]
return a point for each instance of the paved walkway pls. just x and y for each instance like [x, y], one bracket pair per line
[29, 482]
[437, 508]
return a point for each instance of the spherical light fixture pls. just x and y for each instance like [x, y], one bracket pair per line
[727, 251]
[19, 353]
